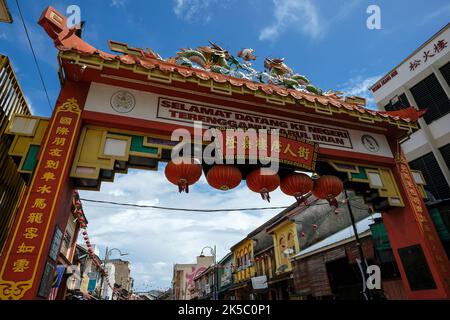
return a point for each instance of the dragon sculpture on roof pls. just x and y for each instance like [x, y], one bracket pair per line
[214, 58]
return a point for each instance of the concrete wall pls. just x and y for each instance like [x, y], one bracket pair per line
[122, 273]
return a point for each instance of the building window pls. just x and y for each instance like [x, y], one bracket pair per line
[416, 268]
[445, 70]
[246, 259]
[267, 269]
[436, 183]
[400, 102]
[445, 151]
[66, 247]
[429, 95]
[291, 244]
[282, 246]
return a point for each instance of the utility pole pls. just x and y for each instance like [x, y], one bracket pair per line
[215, 274]
[104, 268]
[360, 249]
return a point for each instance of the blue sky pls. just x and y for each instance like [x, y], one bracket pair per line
[326, 40]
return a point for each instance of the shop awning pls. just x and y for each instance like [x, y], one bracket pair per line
[238, 286]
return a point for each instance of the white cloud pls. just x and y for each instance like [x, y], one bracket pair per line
[359, 86]
[445, 10]
[30, 104]
[118, 3]
[299, 15]
[156, 239]
[196, 10]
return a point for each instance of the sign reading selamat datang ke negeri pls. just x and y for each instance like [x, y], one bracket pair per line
[137, 104]
[181, 111]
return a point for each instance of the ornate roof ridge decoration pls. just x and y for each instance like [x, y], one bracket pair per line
[215, 63]
[406, 113]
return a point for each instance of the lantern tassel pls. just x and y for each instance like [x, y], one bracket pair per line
[333, 202]
[183, 186]
[301, 200]
[265, 194]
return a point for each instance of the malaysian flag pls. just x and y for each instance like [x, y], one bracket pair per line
[57, 281]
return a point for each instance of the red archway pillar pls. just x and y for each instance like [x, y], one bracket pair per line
[46, 202]
[411, 226]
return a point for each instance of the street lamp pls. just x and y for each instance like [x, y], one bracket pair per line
[105, 261]
[215, 275]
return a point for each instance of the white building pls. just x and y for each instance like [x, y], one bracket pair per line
[107, 292]
[422, 80]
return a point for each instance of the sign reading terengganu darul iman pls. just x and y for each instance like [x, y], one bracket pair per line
[172, 109]
[142, 105]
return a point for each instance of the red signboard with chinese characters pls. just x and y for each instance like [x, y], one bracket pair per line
[34, 224]
[288, 150]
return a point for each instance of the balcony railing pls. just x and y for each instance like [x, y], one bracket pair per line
[12, 101]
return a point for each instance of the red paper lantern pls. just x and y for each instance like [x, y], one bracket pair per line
[263, 183]
[183, 174]
[224, 177]
[297, 185]
[328, 187]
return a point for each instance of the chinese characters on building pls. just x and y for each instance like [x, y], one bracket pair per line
[38, 207]
[438, 47]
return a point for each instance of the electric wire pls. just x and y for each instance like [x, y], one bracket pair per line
[139, 206]
[179, 209]
[34, 55]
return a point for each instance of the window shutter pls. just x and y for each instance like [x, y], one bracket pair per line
[433, 175]
[445, 70]
[429, 95]
[445, 151]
